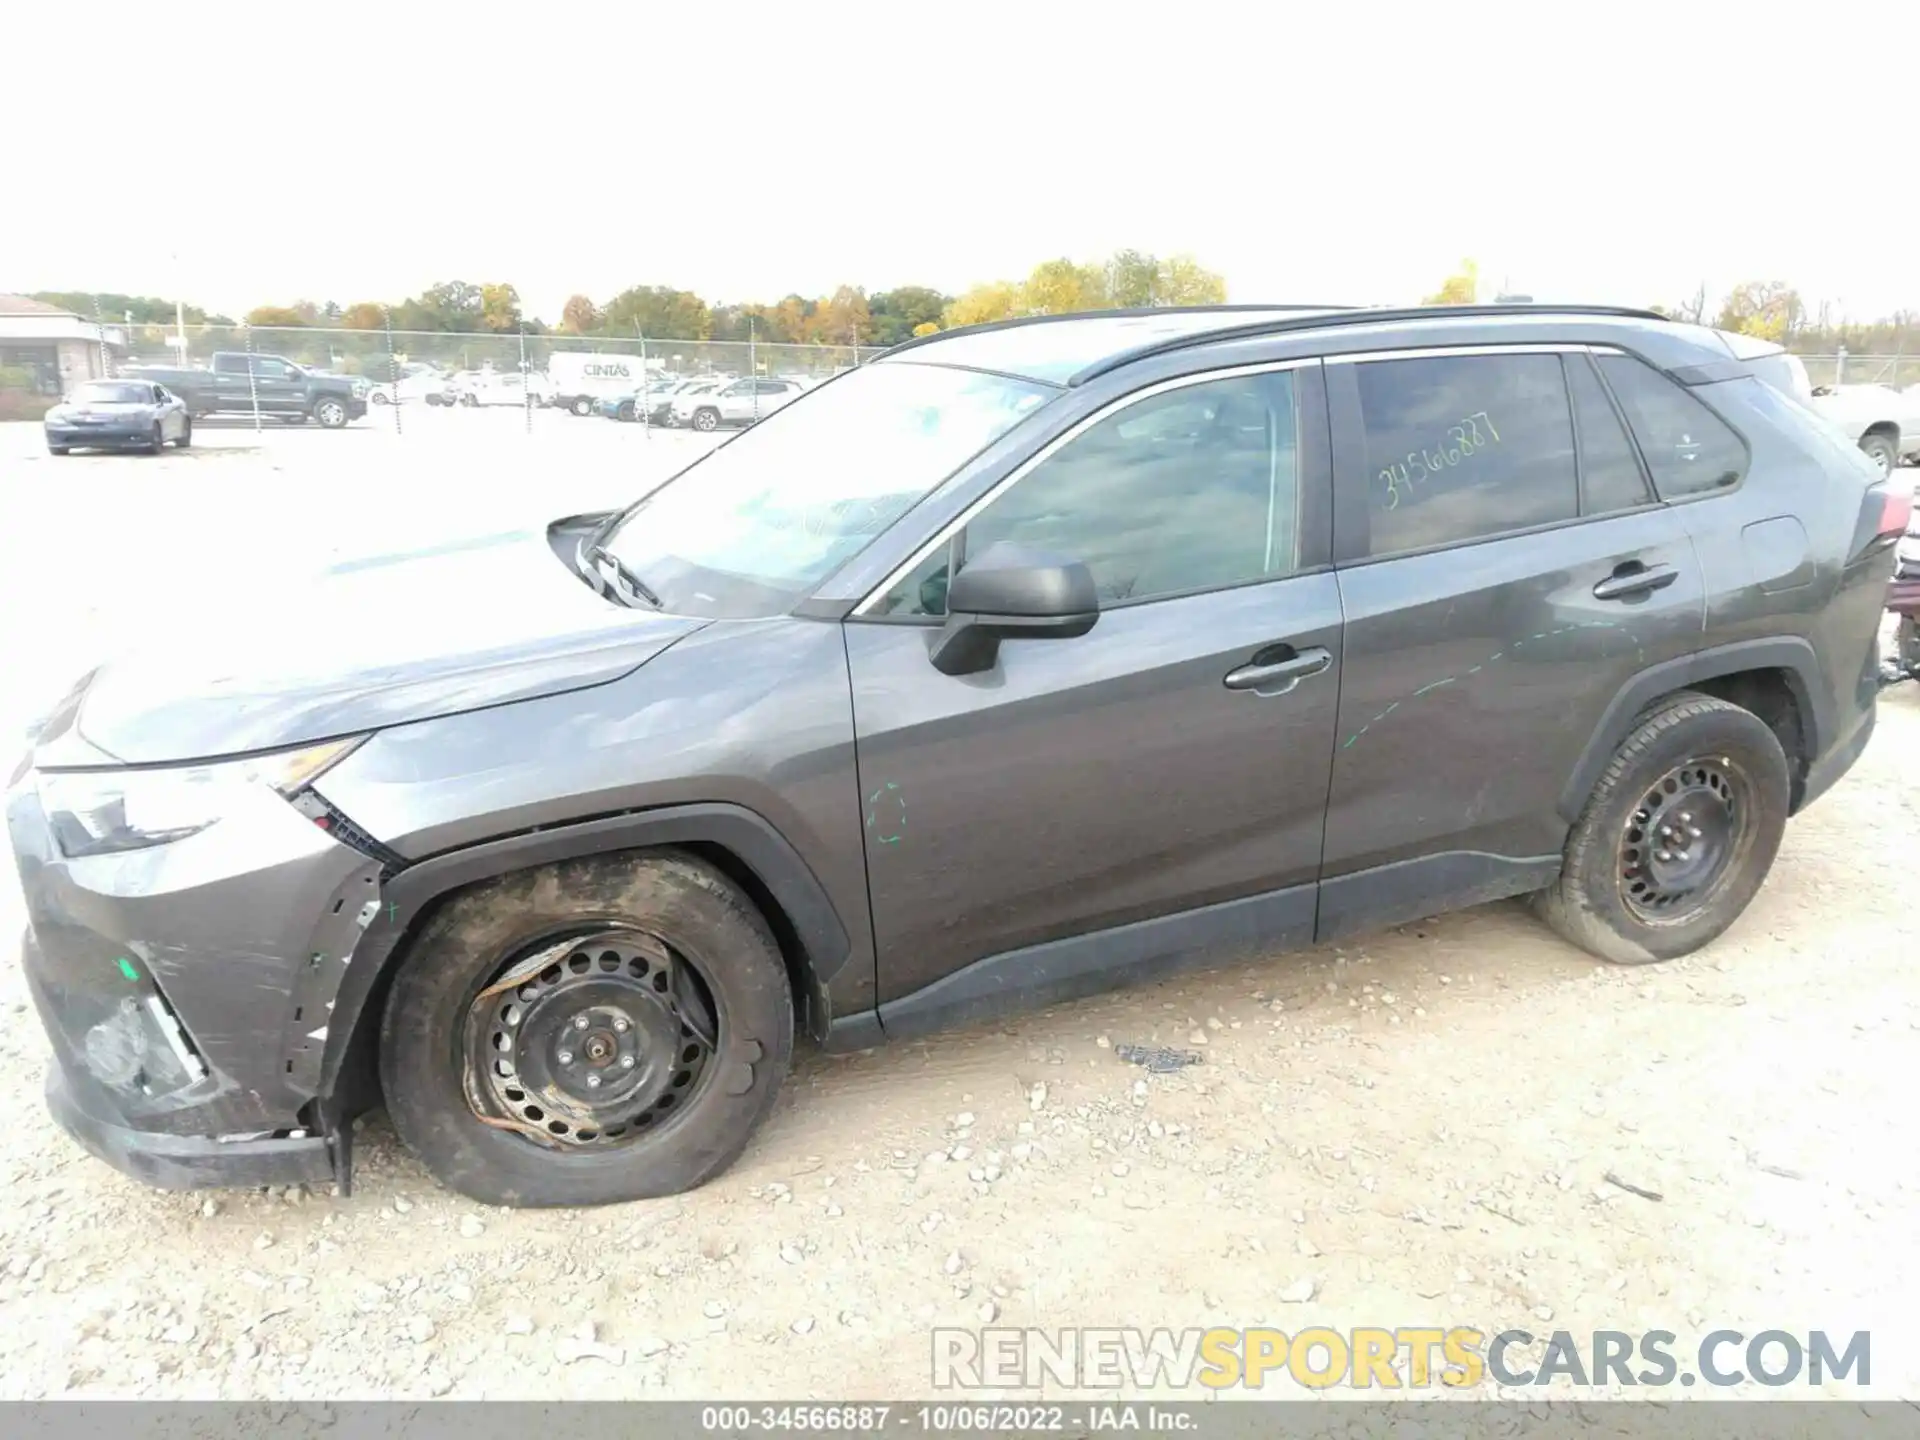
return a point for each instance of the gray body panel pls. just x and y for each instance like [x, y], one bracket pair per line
[937, 847]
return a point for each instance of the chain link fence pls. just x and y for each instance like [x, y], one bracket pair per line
[1842, 368]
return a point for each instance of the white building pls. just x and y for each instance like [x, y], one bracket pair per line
[55, 347]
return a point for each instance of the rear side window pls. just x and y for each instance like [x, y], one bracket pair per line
[1462, 447]
[1610, 473]
[1690, 450]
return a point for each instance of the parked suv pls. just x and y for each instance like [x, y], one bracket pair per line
[743, 402]
[1025, 662]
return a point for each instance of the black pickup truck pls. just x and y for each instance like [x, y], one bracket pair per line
[276, 386]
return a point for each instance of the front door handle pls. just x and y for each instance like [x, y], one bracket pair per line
[1633, 578]
[1279, 668]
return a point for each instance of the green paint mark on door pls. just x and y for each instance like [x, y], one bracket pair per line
[126, 969]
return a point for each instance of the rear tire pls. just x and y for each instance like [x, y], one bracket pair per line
[581, 405]
[1631, 896]
[706, 419]
[708, 929]
[1882, 451]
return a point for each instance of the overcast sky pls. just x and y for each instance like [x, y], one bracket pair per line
[1616, 152]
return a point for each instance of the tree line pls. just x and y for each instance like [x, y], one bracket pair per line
[850, 315]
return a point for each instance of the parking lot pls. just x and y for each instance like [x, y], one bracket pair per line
[1460, 1122]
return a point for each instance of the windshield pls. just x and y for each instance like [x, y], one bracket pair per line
[105, 392]
[758, 522]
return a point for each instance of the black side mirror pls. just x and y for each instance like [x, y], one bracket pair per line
[1011, 590]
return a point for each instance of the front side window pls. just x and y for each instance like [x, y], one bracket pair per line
[1192, 489]
[1690, 450]
[755, 524]
[1461, 447]
[272, 369]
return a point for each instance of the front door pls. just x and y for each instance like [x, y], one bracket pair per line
[1505, 570]
[1151, 793]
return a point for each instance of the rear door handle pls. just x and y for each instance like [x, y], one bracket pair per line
[1633, 578]
[1278, 668]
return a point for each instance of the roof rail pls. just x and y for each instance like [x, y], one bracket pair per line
[1344, 316]
[1120, 314]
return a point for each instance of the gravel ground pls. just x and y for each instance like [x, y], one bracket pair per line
[1416, 1129]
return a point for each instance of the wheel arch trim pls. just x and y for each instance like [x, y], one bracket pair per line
[1791, 655]
[409, 895]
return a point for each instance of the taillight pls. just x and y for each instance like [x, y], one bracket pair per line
[1896, 511]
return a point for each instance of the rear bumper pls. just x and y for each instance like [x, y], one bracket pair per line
[1827, 768]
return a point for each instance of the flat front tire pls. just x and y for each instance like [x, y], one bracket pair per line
[599, 1030]
[1678, 835]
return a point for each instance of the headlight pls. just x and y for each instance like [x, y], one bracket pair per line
[101, 812]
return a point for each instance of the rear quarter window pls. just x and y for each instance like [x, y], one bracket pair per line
[1689, 449]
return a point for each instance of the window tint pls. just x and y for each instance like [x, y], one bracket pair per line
[1610, 473]
[1689, 449]
[1460, 447]
[1192, 489]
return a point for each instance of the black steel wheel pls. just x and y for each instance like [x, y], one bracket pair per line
[590, 1041]
[1677, 836]
[596, 1030]
[1688, 834]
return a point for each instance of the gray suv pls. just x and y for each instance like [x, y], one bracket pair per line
[1027, 661]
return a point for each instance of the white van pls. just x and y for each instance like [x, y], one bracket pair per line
[580, 381]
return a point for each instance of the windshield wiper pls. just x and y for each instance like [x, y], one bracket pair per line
[607, 563]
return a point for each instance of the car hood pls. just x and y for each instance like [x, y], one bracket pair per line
[370, 642]
[103, 409]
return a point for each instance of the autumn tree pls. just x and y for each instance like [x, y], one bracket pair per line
[580, 316]
[1060, 287]
[925, 327]
[1183, 280]
[896, 314]
[1768, 310]
[275, 316]
[364, 315]
[842, 318]
[500, 308]
[1461, 288]
[996, 300]
[658, 313]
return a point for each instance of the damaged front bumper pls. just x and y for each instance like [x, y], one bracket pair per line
[186, 990]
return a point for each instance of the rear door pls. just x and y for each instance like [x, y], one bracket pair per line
[1505, 569]
[1157, 784]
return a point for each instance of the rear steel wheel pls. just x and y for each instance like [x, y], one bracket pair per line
[1692, 827]
[1678, 834]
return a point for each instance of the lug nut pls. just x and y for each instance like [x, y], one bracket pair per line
[620, 1024]
[581, 1023]
[566, 1057]
[626, 1062]
[1694, 831]
[593, 1082]
[1662, 855]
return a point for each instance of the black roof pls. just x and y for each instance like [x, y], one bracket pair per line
[1071, 349]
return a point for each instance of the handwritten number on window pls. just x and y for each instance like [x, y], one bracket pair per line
[1404, 478]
